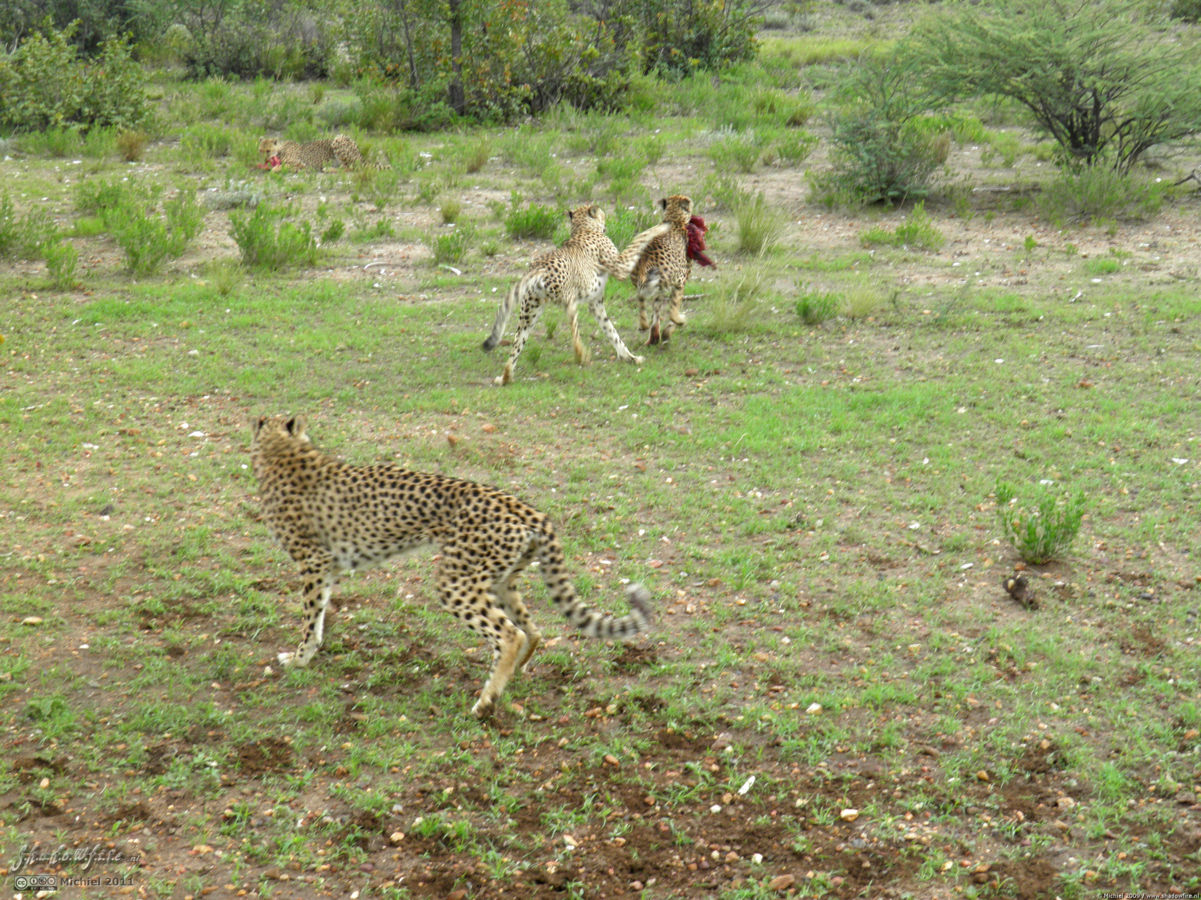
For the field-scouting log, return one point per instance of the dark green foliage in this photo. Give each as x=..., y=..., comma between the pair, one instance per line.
x=1188, y=10
x=251, y=38
x=884, y=150
x=43, y=84
x=677, y=38
x=1097, y=77
x=93, y=21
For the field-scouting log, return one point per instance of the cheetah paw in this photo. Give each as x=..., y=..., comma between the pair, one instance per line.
x=286, y=658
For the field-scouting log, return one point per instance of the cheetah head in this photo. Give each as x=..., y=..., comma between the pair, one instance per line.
x=677, y=209
x=289, y=428
x=588, y=217
x=268, y=146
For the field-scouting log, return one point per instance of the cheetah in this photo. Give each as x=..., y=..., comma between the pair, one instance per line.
x=568, y=274
x=312, y=154
x=332, y=517
x=666, y=264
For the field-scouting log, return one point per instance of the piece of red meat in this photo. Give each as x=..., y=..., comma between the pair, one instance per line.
x=696, y=241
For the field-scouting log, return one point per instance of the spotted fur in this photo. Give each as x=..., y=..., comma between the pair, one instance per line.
x=574, y=272
x=314, y=154
x=663, y=269
x=332, y=517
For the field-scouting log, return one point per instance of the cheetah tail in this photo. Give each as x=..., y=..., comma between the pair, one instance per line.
x=502, y=315
x=621, y=267
x=590, y=621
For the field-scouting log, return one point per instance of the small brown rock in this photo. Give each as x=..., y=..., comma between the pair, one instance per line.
x=781, y=882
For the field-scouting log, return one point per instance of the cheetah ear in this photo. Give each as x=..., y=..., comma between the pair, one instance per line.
x=663, y=203
x=595, y=211
x=256, y=424
x=686, y=204
x=295, y=426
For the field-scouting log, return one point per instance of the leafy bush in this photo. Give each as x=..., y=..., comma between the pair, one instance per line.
x=148, y=239
x=1100, y=78
x=1043, y=532
x=43, y=84
x=534, y=221
x=678, y=38
x=269, y=242
x=250, y=38
x=883, y=152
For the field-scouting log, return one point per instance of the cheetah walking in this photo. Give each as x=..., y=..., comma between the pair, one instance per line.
x=568, y=274
x=666, y=265
x=332, y=517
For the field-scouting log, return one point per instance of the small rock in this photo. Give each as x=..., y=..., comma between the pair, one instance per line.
x=813, y=709
x=396, y=837
x=982, y=776
x=32, y=620
x=781, y=882
x=849, y=815
x=611, y=760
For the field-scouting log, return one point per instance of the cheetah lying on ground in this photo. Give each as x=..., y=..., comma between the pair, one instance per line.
x=313, y=154
x=568, y=274
x=332, y=517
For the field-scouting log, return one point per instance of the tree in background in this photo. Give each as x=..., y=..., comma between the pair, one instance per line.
x=1094, y=74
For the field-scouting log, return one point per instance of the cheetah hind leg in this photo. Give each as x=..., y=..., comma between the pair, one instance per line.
x=516, y=610
x=508, y=645
x=531, y=309
x=582, y=356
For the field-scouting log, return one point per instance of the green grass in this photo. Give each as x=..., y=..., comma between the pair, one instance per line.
x=812, y=508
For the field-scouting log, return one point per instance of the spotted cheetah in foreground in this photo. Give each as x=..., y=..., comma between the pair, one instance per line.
x=313, y=154
x=332, y=517
x=568, y=274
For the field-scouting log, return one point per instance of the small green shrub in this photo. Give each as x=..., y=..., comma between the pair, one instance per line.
x=917, y=232
x=736, y=308
x=533, y=221
x=24, y=237
x=62, y=260
x=1043, y=531
x=451, y=246
x=451, y=210
x=477, y=156
x=131, y=143
x=739, y=152
x=760, y=226
x=267, y=241
x=815, y=307
x=149, y=240
x=333, y=231
x=1099, y=193
x=57, y=142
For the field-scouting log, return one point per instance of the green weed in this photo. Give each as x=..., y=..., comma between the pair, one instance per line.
x=1041, y=527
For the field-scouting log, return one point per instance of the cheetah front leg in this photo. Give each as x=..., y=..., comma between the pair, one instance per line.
x=317, y=572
